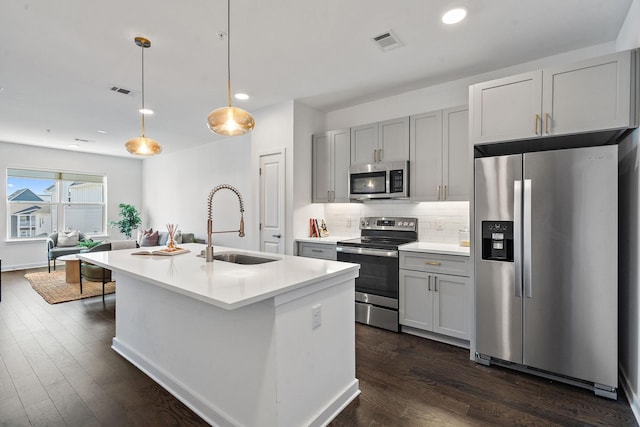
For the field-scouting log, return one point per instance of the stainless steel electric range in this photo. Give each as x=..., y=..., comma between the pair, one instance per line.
x=376, y=250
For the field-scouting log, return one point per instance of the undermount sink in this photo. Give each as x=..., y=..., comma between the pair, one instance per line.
x=239, y=258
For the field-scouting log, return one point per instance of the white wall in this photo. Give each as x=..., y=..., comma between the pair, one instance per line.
x=273, y=132
x=629, y=236
x=124, y=185
x=288, y=126
x=629, y=275
x=629, y=35
x=307, y=121
x=177, y=187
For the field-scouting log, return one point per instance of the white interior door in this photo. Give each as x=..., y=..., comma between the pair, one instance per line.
x=272, y=228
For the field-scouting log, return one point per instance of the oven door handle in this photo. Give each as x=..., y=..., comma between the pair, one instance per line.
x=368, y=251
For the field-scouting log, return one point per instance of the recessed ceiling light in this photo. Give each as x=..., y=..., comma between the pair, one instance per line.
x=102, y=131
x=241, y=96
x=146, y=111
x=74, y=145
x=454, y=16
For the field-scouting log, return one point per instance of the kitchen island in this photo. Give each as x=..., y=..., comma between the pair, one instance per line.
x=269, y=344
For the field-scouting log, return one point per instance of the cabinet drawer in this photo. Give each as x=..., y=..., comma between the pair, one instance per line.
x=321, y=251
x=436, y=263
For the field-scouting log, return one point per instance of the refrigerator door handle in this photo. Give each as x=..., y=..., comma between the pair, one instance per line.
x=526, y=265
x=517, y=235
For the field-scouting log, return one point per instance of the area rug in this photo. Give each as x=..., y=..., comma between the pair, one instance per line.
x=54, y=288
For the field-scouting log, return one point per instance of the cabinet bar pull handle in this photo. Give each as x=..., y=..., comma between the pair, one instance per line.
x=438, y=192
x=429, y=283
x=546, y=123
x=329, y=195
x=445, y=193
x=375, y=156
x=537, y=118
x=435, y=283
x=316, y=250
x=436, y=263
x=380, y=155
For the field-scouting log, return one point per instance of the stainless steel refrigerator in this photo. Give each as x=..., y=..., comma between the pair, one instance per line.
x=546, y=264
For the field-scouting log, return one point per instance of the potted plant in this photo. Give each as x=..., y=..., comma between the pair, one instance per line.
x=129, y=219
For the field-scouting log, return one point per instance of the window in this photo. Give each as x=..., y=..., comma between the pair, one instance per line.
x=42, y=202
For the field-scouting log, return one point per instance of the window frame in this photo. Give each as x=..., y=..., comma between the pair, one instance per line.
x=59, y=201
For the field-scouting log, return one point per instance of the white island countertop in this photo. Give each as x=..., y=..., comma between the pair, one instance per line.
x=436, y=248
x=222, y=284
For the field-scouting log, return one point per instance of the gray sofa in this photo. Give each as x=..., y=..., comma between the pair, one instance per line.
x=163, y=238
x=54, y=251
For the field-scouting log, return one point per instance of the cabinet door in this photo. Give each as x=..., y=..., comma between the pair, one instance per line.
x=451, y=306
x=456, y=163
x=364, y=144
x=425, y=144
x=321, y=168
x=415, y=305
x=507, y=108
x=394, y=140
x=341, y=161
x=592, y=95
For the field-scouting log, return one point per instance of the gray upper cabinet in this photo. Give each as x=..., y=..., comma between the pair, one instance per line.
x=386, y=141
x=588, y=96
x=330, y=166
x=439, y=146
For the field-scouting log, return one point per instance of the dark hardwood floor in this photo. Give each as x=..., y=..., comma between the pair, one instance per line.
x=57, y=369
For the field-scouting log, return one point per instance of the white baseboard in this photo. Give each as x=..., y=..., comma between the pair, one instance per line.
x=15, y=267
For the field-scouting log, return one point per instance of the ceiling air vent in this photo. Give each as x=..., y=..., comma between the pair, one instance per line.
x=386, y=41
x=120, y=90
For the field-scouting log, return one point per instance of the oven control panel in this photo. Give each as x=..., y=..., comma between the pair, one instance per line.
x=388, y=223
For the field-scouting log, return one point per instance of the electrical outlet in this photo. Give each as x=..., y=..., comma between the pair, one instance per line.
x=316, y=316
x=440, y=224
x=348, y=222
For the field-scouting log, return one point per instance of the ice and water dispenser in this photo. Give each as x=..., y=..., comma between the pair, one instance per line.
x=497, y=240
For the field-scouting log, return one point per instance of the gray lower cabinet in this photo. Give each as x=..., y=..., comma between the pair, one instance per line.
x=435, y=293
x=318, y=250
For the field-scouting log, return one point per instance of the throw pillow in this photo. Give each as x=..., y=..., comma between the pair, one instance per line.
x=149, y=239
x=68, y=239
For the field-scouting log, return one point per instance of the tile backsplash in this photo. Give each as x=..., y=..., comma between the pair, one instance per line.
x=438, y=222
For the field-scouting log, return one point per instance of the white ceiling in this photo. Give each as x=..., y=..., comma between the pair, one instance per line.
x=59, y=59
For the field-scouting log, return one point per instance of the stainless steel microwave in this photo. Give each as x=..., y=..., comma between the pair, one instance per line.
x=379, y=181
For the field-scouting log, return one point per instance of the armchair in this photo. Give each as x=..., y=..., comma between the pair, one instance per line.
x=54, y=251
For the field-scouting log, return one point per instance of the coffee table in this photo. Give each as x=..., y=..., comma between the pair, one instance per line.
x=72, y=268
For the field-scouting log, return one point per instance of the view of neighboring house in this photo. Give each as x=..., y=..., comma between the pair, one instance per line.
x=36, y=215
x=29, y=220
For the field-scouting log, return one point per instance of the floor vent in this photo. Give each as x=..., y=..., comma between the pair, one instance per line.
x=386, y=41
x=120, y=90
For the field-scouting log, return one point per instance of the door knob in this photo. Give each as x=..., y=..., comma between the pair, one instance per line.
x=276, y=235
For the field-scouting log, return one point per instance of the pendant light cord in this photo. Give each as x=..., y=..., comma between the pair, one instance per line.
x=229, y=52
x=142, y=47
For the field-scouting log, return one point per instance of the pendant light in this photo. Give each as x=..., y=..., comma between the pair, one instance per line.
x=230, y=121
x=143, y=146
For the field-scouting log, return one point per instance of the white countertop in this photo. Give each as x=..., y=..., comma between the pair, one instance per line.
x=220, y=283
x=438, y=248
x=329, y=240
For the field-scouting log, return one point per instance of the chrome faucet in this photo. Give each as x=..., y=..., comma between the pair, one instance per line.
x=209, y=250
